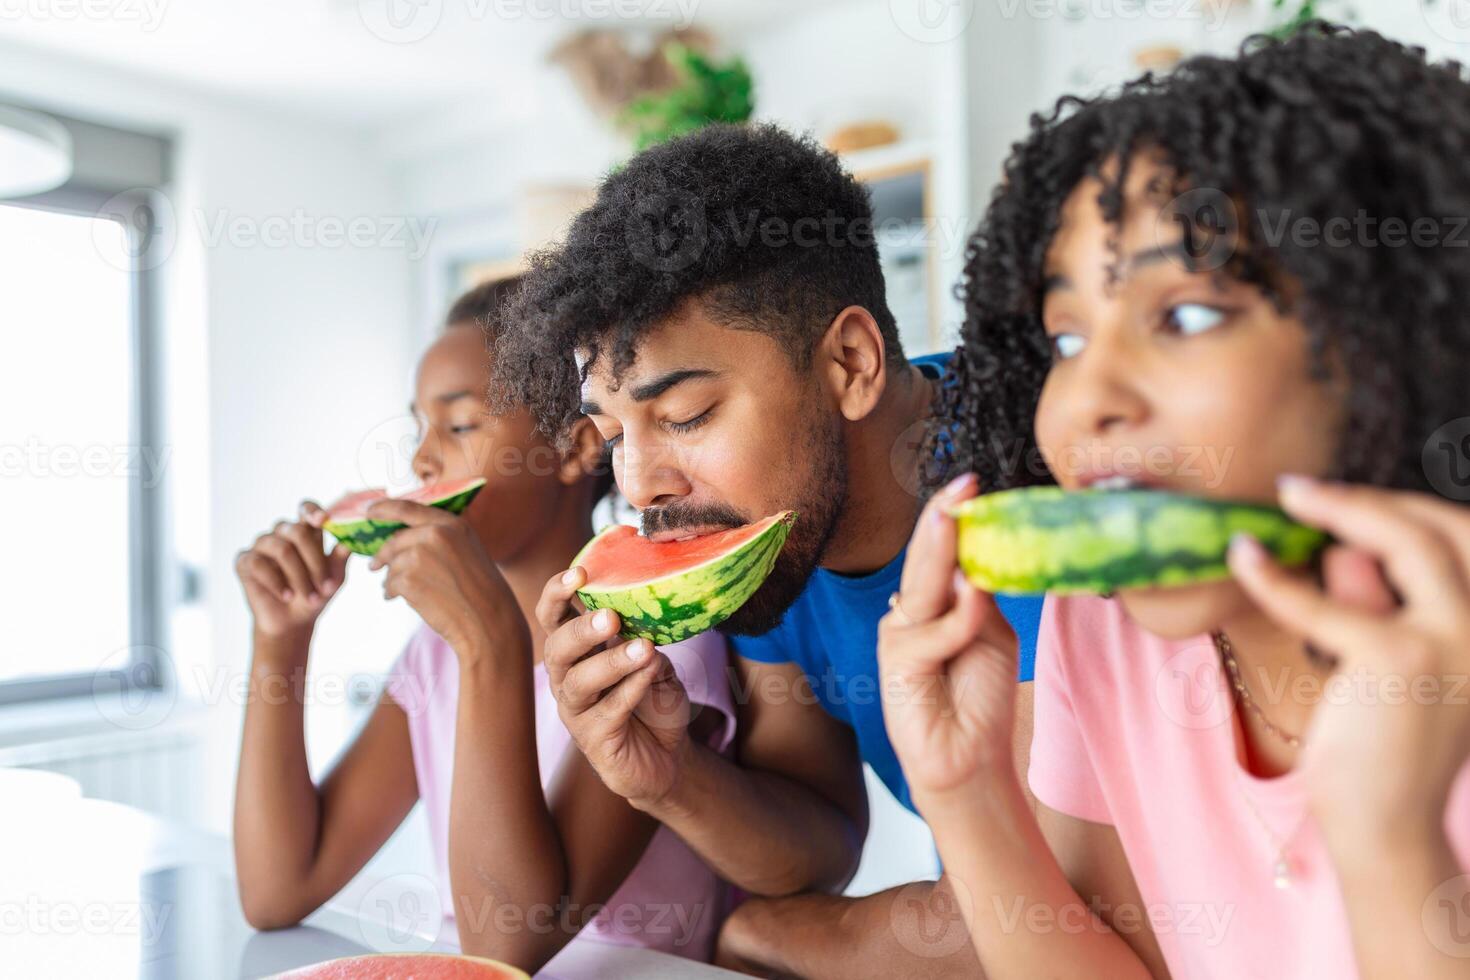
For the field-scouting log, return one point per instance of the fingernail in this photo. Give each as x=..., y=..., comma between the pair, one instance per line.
x=1293, y=485
x=287, y=595
x=602, y=620
x=1246, y=549
x=329, y=587
x=636, y=650
x=954, y=486
x=569, y=577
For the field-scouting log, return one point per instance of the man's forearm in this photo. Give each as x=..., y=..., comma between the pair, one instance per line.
x=762, y=831
x=914, y=930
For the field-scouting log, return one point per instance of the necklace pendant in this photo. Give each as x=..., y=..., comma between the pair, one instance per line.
x=1281, y=874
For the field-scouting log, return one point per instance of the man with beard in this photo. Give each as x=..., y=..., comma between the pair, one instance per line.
x=719, y=314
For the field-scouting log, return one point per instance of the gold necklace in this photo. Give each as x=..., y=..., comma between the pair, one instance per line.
x=1281, y=866
x=1243, y=694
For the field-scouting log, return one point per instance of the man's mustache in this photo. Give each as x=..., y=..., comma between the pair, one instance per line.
x=675, y=517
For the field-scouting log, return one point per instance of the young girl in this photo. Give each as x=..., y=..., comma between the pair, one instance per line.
x=1194, y=284
x=530, y=847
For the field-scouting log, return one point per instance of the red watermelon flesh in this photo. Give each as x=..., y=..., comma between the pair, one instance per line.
x=353, y=507
x=347, y=519
x=406, y=966
x=668, y=591
x=624, y=557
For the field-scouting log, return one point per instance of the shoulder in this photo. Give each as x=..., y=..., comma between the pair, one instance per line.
x=1088, y=635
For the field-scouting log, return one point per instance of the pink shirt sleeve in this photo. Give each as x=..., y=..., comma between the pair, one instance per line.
x=1062, y=774
x=407, y=681
x=702, y=665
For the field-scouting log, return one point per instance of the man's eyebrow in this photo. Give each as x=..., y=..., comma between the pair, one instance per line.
x=649, y=390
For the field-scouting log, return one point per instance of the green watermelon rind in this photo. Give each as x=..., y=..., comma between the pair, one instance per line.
x=367, y=537
x=1046, y=539
x=674, y=608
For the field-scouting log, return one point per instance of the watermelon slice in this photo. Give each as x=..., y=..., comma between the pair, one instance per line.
x=669, y=591
x=406, y=966
x=346, y=521
x=1046, y=539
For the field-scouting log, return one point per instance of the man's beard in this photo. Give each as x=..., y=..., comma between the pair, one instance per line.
x=817, y=504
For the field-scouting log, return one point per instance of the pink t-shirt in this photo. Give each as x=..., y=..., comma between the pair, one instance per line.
x=671, y=901
x=1140, y=733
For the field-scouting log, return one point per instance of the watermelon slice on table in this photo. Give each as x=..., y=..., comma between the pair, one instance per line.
x=346, y=520
x=670, y=590
x=1046, y=539
x=406, y=966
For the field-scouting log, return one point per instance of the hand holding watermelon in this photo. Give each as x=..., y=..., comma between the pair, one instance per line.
x=621, y=701
x=440, y=568
x=1394, y=607
x=948, y=660
x=287, y=575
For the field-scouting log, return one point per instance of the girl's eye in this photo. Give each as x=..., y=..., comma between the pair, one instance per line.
x=1065, y=345
x=1192, y=318
x=613, y=442
x=689, y=425
x=460, y=430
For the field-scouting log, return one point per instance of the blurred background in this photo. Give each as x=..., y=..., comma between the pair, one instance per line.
x=227, y=230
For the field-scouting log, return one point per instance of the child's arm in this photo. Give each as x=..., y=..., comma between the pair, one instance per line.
x=523, y=871
x=297, y=844
x=1380, y=765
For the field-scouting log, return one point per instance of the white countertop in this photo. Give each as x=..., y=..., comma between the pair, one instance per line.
x=95, y=889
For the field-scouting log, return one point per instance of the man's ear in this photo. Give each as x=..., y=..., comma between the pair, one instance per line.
x=853, y=359
x=583, y=454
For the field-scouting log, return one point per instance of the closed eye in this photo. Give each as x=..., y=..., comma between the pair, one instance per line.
x=689, y=425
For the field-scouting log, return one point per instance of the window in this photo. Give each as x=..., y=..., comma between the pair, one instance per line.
x=77, y=461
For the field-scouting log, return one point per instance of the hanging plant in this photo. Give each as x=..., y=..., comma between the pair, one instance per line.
x=1293, y=15
x=706, y=93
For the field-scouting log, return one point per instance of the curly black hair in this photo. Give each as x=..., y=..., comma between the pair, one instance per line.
x=485, y=307
x=761, y=227
x=1330, y=123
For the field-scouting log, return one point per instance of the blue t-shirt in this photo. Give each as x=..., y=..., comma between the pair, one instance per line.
x=831, y=632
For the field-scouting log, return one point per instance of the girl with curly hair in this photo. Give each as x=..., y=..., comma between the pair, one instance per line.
x=1246, y=280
